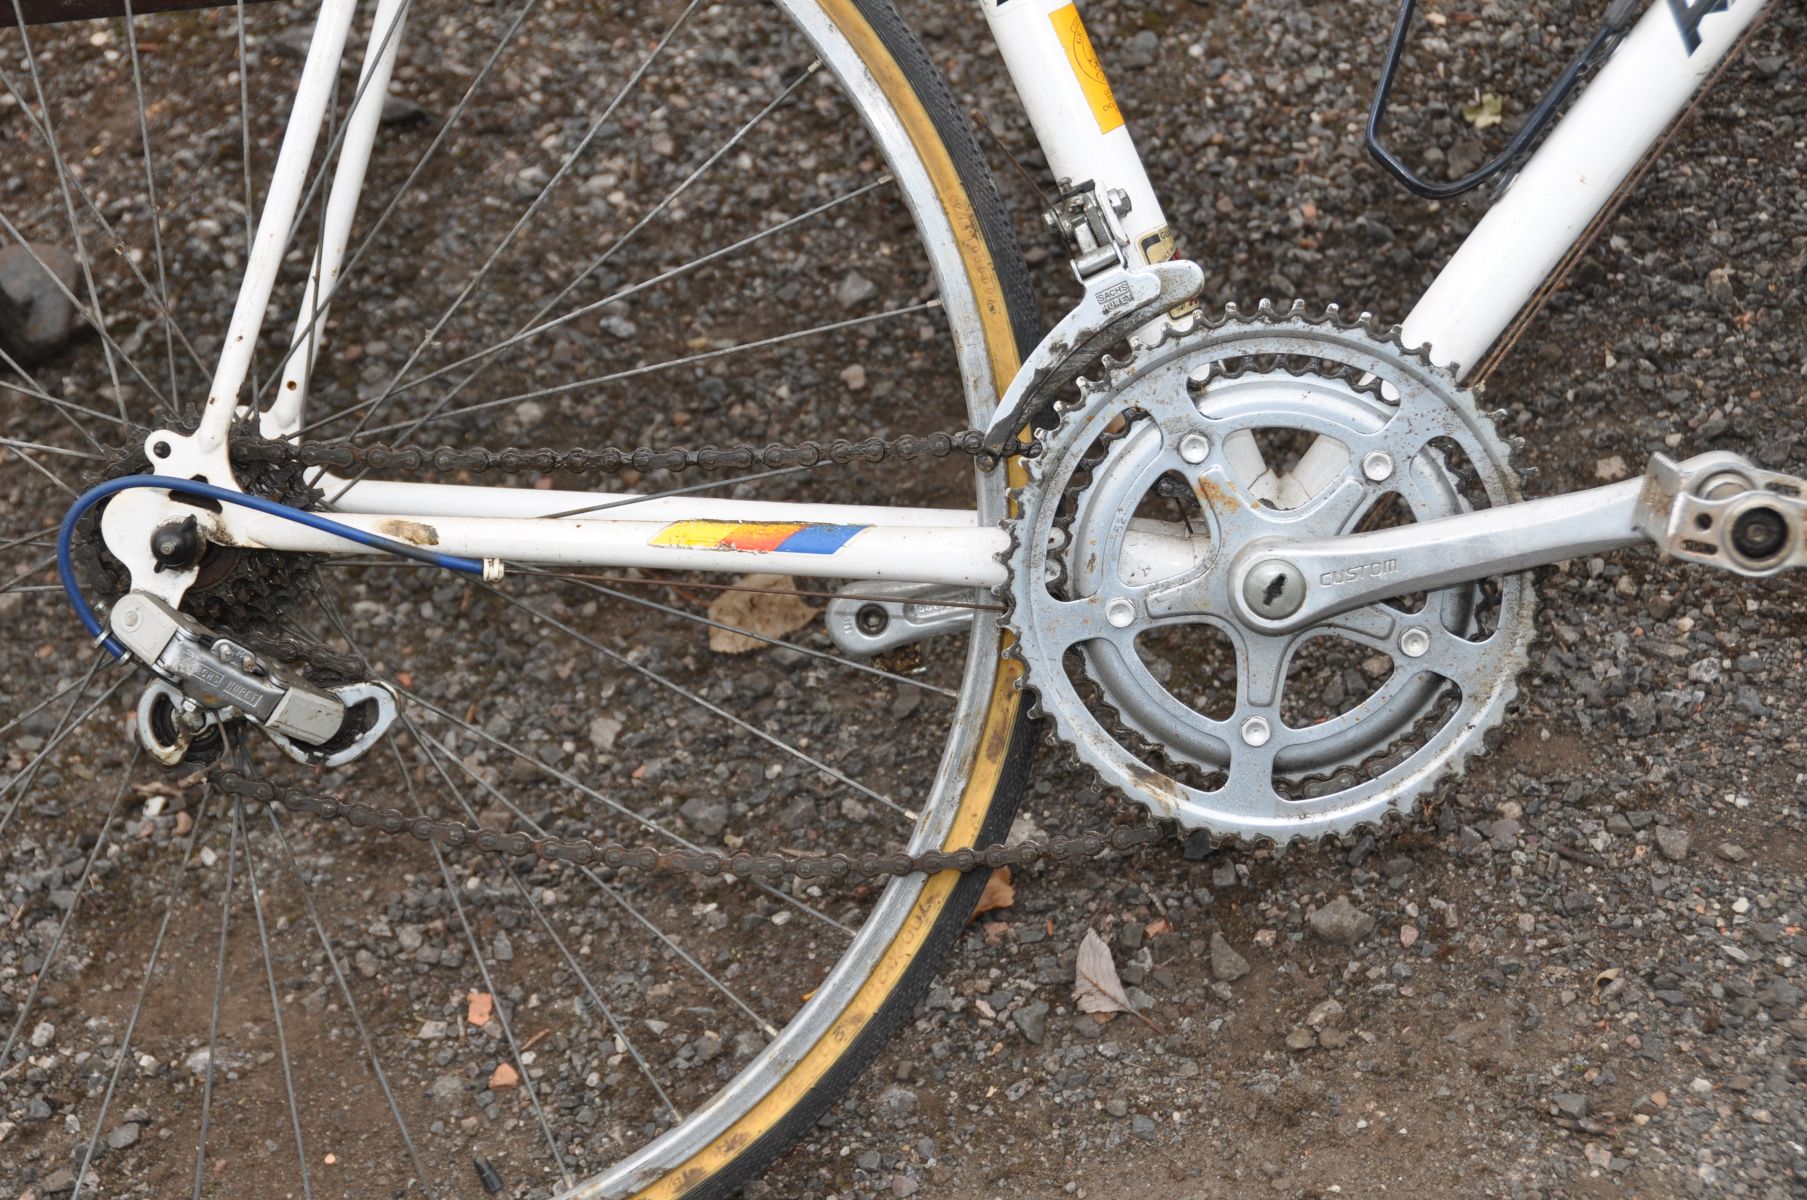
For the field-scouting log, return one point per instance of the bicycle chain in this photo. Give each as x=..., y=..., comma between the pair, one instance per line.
x=764, y=868
x=771, y=867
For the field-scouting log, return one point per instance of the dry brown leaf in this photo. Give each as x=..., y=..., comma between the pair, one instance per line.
x=1096, y=987
x=1157, y=927
x=999, y=892
x=479, y=1008
x=772, y=612
x=504, y=1077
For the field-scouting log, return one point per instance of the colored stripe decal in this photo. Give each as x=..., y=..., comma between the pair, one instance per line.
x=786, y=537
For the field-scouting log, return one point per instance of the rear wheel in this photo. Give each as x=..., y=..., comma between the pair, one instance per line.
x=551, y=250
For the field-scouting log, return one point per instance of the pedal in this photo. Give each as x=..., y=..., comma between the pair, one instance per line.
x=1722, y=510
x=206, y=679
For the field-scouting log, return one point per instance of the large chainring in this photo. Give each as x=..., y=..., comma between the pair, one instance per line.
x=1275, y=424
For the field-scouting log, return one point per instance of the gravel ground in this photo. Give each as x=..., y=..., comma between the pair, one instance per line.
x=1578, y=975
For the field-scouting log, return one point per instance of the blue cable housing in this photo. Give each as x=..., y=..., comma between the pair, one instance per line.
x=65, y=538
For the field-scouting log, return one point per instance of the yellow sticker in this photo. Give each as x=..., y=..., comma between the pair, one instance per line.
x=1086, y=67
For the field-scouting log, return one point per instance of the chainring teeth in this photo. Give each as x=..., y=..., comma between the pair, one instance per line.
x=1331, y=336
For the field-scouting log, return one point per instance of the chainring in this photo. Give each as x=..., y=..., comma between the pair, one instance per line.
x=1365, y=430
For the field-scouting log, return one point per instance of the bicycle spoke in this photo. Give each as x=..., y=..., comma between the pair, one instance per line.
x=63, y=176
x=80, y=891
x=535, y=330
x=351, y=1005
x=41, y=469
x=65, y=409
x=369, y=239
x=645, y=220
x=436, y=751
x=500, y=1009
x=46, y=703
x=63, y=451
x=534, y=206
x=65, y=728
x=177, y=870
x=219, y=997
x=37, y=568
x=812, y=652
x=715, y=710
x=650, y=925
x=633, y=372
x=157, y=295
x=282, y=1041
x=93, y=317
x=150, y=191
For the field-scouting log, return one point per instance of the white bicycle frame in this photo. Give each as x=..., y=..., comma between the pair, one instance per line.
x=1668, y=56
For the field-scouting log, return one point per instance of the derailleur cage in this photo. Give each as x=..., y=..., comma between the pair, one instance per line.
x=206, y=679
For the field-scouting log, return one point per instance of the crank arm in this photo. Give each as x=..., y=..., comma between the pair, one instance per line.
x=882, y=616
x=1714, y=508
x=205, y=679
x=1116, y=303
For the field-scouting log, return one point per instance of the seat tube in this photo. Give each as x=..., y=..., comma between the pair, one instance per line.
x=1081, y=129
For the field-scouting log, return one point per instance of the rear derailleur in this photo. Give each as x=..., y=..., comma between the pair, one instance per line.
x=207, y=682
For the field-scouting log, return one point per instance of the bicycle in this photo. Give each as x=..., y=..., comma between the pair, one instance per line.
x=1136, y=490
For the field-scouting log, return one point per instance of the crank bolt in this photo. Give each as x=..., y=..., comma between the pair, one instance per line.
x=1377, y=465
x=1413, y=643
x=1256, y=731
x=872, y=620
x=1759, y=533
x=1120, y=612
x=1194, y=447
x=1273, y=589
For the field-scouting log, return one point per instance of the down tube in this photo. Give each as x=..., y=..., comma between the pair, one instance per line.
x=1671, y=52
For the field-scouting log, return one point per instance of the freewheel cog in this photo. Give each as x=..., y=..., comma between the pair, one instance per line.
x=1270, y=425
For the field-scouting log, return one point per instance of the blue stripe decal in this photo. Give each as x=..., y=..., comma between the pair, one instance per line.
x=820, y=539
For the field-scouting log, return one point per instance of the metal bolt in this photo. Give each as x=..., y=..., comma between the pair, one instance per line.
x=1120, y=612
x=1194, y=447
x=1377, y=465
x=1414, y=642
x=1256, y=731
x=1723, y=485
x=131, y=618
x=1119, y=201
x=1274, y=589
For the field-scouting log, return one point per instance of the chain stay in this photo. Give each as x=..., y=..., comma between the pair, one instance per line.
x=763, y=868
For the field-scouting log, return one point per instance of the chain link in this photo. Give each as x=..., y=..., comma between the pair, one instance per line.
x=343, y=456
x=770, y=867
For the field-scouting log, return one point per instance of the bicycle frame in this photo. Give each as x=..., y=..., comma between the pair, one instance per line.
x=1547, y=211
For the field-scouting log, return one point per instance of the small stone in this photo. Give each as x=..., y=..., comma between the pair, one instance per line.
x=603, y=731
x=36, y=316
x=854, y=289
x=399, y=110
x=1731, y=852
x=1032, y=1019
x=903, y=1185
x=41, y=1033
x=1673, y=843
x=431, y=1031
x=1143, y=1127
x=198, y=1062
x=897, y=1102
x=1301, y=1039
x=1341, y=923
x=1571, y=1104
x=1226, y=964
x=706, y=815
x=1327, y=1013
x=121, y=1137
